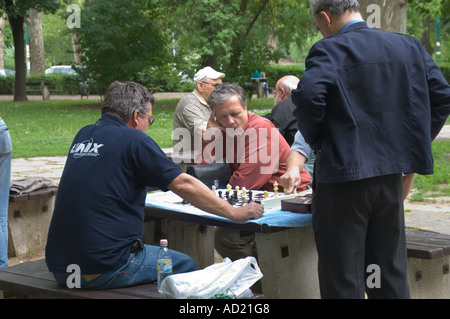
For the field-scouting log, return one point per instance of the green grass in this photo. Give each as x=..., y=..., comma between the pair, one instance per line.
x=47, y=128
x=430, y=187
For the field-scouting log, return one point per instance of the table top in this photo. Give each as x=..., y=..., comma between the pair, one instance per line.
x=169, y=205
x=259, y=79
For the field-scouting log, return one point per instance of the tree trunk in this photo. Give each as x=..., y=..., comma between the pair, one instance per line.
x=3, y=19
x=77, y=55
x=36, y=36
x=425, y=37
x=16, y=23
x=387, y=15
x=76, y=49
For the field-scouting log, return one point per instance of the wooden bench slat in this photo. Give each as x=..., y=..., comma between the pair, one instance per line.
x=424, y=252
x=427, y=245
x=33, y=279
x=426, y=234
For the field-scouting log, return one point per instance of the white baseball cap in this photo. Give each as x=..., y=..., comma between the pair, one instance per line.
x=208, y=72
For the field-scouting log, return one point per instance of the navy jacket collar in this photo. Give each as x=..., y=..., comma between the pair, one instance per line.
x=355, y=26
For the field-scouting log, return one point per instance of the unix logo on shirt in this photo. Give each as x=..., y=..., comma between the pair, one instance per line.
x=85, y=148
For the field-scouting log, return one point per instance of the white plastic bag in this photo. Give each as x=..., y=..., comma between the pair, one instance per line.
x=226, y=280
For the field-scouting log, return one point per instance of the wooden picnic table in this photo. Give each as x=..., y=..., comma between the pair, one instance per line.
x=44, y=90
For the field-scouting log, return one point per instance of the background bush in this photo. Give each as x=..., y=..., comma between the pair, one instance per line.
x=165, y=79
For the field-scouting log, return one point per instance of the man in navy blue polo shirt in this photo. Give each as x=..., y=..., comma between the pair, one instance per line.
x=98, y=221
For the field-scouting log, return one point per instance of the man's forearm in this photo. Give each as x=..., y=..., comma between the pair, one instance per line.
x=295, y=160
x=190, y=189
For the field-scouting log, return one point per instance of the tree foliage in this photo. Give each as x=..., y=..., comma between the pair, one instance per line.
x=16, y=12
x=157, y=42
x=120, y=38
x=237, y=36
x=422, y=23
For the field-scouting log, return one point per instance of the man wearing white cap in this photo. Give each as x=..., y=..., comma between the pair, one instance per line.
x=192, y=112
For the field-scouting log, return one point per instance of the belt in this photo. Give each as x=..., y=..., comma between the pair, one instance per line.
x=86, y=277
x=137, y=245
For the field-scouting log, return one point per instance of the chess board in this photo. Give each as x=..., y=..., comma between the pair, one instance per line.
x=273, y=215
x=241, y=197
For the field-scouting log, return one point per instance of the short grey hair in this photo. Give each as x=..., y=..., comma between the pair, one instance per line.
x=225, y=91
x=336, y=7
x=124, y=98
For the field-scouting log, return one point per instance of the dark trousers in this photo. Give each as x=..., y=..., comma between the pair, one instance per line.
x=359, y=230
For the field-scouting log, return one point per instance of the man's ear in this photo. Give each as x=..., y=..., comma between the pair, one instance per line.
x=133, y=122
x=282, y=93
x=326, y=17
x=199, y=87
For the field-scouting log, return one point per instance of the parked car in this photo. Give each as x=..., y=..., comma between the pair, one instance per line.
x=61, y=69
x=6, y=72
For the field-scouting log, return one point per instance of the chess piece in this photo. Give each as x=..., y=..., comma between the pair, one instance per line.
x=229, y=188
x=213, y=189
x=250, y=196
x=220, y=194
x=243, y=192
x=266, y=194
x=275, y=189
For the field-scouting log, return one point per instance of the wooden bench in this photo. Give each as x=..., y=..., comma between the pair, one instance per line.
x=44, y=90
x=32, y=279
x=428, y=260
x=428, y=264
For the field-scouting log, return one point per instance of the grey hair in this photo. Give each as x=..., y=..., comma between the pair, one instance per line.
x=336, y=7
x=123, y=98
x=225, y=91
x=290, y=83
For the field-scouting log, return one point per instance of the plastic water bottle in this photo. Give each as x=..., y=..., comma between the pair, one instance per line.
x=163, y=262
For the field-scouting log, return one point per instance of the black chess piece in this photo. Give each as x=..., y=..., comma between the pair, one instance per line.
x=250, y=196
x=220, y=194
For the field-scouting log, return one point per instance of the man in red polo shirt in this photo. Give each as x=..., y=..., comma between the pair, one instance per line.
x=255, y=150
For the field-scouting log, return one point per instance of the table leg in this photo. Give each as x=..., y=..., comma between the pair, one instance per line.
x=288, y=261
x=192, y=239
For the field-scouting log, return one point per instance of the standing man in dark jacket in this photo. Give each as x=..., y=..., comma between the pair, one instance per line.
x=370, y=104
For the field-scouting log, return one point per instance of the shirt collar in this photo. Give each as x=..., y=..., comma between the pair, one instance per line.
x=200, y=98
x=111, y=118
x=349, y=24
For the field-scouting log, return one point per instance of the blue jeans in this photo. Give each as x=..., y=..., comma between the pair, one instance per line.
x=5, y=184
x=140, y=269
